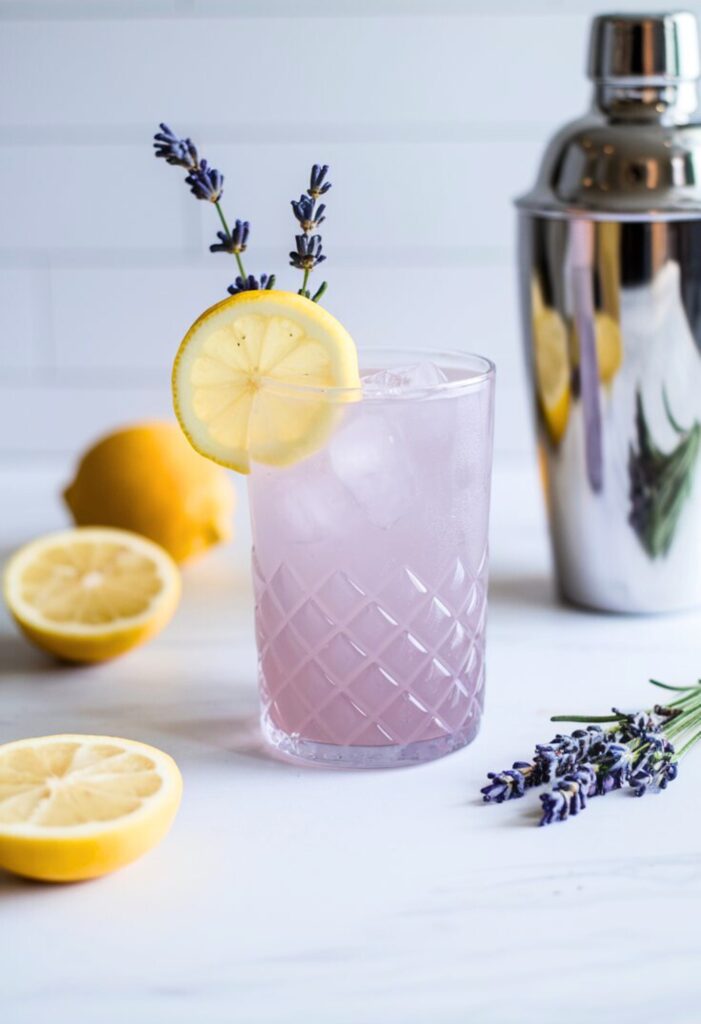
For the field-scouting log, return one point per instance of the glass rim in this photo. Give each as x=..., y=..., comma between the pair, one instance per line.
x=482, y=372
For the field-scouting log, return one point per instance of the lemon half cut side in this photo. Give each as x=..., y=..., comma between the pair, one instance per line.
x=74, y=807
x=91, y=593
x=241, y=372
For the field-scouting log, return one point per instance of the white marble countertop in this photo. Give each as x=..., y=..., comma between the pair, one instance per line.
x=285, y=894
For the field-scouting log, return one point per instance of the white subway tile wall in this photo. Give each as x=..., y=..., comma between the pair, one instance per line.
x=432, y=115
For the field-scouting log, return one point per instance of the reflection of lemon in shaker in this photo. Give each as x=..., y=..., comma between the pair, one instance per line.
x=609, y=346
x=552, y=370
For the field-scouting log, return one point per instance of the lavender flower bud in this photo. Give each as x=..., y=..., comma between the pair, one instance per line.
x=508, y=785
x=615, y=765
x=309, y=218
x=235, y=242
x=309, y=252
x=176, y=151
x=569, y=796
x=251, y=284
x=317, y=185
x=667, y=774
x=206, y=183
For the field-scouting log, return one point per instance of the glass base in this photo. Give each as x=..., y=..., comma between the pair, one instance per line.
x=329, y=755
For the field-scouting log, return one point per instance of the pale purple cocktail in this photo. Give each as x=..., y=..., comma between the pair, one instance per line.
x=370, y=569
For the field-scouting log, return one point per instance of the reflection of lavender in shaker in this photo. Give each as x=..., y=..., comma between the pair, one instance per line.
x=608, y=256
x=583, y=307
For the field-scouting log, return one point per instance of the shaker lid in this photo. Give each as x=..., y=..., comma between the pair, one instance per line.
x=637, y=154
x=655, y=47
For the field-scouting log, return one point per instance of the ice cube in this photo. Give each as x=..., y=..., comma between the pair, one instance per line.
x=312, y=504
x=414, y=377
x=368, y=455
x=381, y=382
x=306, y=501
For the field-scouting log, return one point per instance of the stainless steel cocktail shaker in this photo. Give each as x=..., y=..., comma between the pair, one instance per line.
x=610, y=274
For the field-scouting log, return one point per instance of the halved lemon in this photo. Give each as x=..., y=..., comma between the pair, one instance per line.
x=239, y=372
x=552, y=370
x=76, y=807
x=91, y=593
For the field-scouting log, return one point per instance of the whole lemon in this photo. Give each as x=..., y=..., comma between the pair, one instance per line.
x=148, y=479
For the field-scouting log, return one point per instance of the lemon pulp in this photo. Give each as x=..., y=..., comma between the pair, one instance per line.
x=91, y=593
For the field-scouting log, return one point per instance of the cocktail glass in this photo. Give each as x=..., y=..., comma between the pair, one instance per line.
x=370, y=566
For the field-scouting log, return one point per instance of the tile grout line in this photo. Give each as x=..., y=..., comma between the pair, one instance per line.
x=390, y=132
x=44, y=335
x=268, y=10
x=193, y=255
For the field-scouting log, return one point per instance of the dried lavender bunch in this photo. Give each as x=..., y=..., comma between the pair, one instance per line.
x=551, y=760
x=207, y=183
x=635, y=751
x=660, y=482
x=308, y=249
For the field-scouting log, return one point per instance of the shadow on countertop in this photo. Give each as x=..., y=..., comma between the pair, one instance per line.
x=531, y=590
x=18, y=656
x=17, y=888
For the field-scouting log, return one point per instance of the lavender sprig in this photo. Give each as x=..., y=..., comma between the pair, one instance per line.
x=207, y=183
x=308, y=248
x=635, y=752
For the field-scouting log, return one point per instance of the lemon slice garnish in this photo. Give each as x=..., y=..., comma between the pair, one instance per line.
x=91, y=593
x=75, y=807
x=238, y=373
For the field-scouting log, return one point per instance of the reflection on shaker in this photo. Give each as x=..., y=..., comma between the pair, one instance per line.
x=583, y=300
x=660, y=482
x=551, y=366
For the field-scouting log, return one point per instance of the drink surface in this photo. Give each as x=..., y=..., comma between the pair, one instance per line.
x=370, y=564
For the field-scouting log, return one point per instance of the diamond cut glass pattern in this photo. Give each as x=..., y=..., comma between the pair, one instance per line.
x=397, y=672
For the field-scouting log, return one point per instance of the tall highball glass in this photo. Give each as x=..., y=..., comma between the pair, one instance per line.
x=370, y=565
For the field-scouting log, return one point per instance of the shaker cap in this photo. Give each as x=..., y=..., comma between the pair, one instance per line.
x=637, y=153
x=649, y=47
